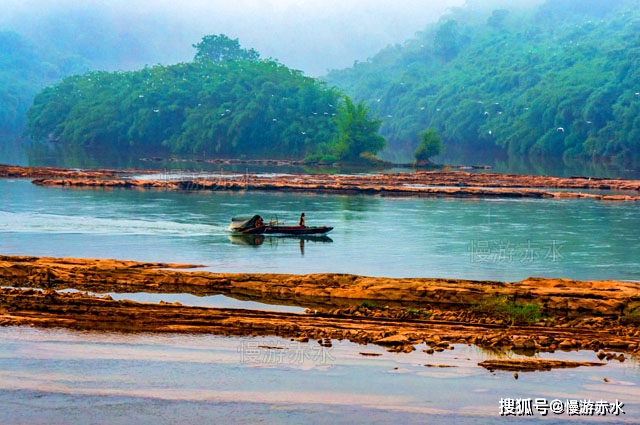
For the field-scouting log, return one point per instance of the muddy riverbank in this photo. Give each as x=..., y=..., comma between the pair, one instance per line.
x=460, y=184
x=534, y=315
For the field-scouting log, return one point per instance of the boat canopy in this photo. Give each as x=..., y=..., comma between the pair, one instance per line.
x=240, y=224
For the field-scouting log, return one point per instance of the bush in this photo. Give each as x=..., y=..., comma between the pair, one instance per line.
x=371, y=305
x=429, y=146
x=631, y=317
x=320, y=159
x=421, y=311
x=515, y=313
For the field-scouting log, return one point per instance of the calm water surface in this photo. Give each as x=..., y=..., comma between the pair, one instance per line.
x=474, y=239
x=61, y=377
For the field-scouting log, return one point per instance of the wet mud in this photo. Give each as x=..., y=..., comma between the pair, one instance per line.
x=398, y=314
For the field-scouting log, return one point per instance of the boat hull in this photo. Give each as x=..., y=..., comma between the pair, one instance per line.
x=255, y=226
x=297, y=230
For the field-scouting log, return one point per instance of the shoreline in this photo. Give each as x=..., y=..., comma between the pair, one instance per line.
x=453, y=184
x=398, y=314
x=527, y=317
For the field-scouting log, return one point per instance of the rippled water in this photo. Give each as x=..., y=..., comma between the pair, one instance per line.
x=475, y=239
x=60, y=377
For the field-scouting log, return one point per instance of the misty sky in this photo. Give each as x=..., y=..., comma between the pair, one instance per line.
x=314, y=36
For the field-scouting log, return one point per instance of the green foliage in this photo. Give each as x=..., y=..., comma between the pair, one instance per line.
x=319, y=158
x=558, y=80
x=447, y=41
x=357, y=133
x=524, y=314
x=231, y=107
x=219, y=48
x=631, y=317
x=420, y=311
x=498, y=18
x=505, y=307
x=430, y=145
x=23, y=72
x=371, y=305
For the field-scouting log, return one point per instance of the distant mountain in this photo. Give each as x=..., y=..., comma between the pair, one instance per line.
x=561, y=79
x=24, y=70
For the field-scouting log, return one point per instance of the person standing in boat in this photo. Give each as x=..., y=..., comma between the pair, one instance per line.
x=259, y=223
x=301, y=224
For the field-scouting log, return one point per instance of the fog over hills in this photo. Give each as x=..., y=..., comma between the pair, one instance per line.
x=311, y=36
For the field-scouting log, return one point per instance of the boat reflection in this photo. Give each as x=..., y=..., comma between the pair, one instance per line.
x=257, y=240
x=249, y=240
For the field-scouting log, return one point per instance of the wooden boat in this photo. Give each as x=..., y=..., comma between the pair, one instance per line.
x=296, y=230
x=255, y=226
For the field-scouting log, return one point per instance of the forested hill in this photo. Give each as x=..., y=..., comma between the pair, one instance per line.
x=24, y=70
x=226, y=103
x=558, y=79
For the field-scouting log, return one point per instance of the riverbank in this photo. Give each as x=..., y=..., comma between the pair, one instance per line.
x=534, y=315
x=459, y=184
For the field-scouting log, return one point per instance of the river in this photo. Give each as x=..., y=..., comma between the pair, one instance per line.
x=57, y=376
x=60, y=377
x=410, y=237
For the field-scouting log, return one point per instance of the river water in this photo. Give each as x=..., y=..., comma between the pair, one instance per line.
x=59, y=377
x=473, y=239
x=56, y=377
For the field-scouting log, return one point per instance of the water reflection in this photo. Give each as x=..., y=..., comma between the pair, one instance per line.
x=11, y=149
x=248, y=240
x=274, y=241
x=451, y=238
x=209, y=301
x=15, y=150
x=57, y=376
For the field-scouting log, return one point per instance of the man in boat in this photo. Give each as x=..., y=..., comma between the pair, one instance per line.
x=301, y=224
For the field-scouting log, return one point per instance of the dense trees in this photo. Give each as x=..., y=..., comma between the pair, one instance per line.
x=226, y=103
x=429, y=145
x=357, y=134
x=559, y=80
x=219, y=48
x=23, y=72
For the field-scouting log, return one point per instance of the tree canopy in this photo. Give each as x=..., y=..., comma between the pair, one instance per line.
x=24, y=70
x=219, y=48
x=220, y=105
x=558, y=80
x=357, y=134
x=429, y=145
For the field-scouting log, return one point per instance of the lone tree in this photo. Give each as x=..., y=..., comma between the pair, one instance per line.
x=357, y=133
x=220, y=48
x=429, y=146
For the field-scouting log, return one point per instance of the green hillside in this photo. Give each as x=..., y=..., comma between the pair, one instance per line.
x=558, y=80
x=23, y=72
x=226, y=103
